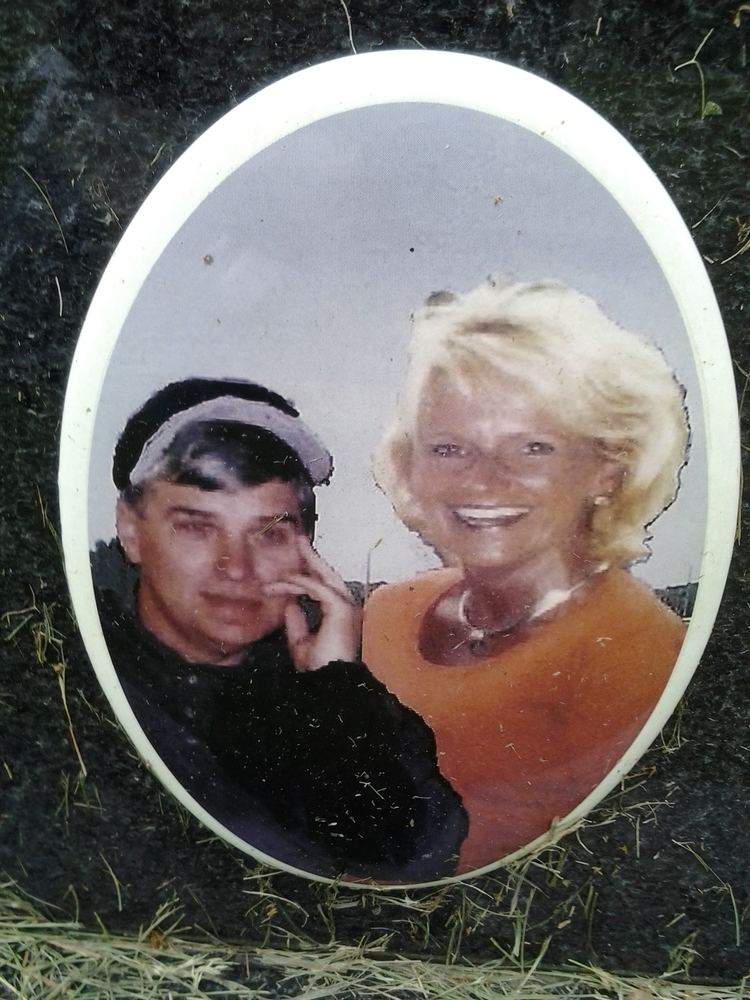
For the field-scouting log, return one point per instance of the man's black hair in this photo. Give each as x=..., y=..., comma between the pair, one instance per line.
x=173, y=398
x=213, y=455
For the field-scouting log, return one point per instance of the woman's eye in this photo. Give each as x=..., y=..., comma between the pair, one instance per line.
x=448, y=450
x=538, y=448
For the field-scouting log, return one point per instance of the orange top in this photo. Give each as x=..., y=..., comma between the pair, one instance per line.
x=526, y=734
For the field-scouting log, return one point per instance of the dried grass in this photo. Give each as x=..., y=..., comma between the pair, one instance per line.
x=44, y=958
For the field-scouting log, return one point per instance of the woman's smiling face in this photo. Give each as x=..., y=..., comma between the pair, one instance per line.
x=501, y=483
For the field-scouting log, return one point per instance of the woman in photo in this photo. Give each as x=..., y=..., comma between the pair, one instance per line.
x=534, y=443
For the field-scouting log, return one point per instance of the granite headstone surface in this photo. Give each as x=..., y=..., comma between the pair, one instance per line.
x=98, y=100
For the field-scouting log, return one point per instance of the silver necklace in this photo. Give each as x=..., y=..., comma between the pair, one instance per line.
x=477, y=636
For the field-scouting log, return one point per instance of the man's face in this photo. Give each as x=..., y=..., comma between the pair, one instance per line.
x=204, y=559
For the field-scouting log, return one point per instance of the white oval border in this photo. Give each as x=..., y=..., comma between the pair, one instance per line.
x=361, y=81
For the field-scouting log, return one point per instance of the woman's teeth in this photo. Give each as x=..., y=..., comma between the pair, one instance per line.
x=483, y=517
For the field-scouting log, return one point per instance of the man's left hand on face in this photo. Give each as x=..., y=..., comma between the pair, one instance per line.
x=339, y=634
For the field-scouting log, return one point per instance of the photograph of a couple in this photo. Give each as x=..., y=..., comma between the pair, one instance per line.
x=394, y=560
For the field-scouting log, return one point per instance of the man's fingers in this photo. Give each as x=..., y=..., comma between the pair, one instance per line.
x=298, y=586
x=295, y=624
x=318, y=590
x=319, y=567
x=282, y=587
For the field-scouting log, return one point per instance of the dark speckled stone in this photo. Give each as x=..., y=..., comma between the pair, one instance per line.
x=98, y=99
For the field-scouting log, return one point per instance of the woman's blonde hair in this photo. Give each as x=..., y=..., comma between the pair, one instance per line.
x=599, y=379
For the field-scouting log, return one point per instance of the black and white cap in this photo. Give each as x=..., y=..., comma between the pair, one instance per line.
x=152, y=429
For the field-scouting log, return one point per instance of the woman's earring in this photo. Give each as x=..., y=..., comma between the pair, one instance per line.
x=601, y=500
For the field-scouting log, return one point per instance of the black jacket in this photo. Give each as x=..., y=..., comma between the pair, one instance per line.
x=325, y=771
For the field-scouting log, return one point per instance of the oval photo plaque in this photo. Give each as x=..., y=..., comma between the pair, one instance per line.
x=399, y=468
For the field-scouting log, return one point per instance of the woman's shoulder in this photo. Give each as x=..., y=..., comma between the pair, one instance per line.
x=631, y=600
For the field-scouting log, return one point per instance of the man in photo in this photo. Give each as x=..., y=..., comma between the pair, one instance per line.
x=236, y=645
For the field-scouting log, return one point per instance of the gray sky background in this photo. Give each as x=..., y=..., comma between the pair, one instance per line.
x=322, y=246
